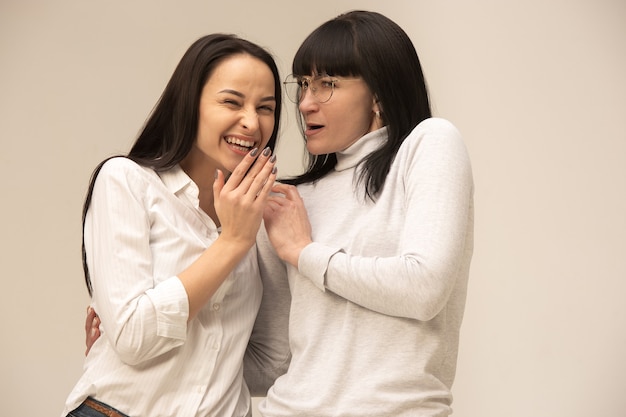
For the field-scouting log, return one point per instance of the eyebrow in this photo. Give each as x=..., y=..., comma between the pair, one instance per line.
x=238, y=94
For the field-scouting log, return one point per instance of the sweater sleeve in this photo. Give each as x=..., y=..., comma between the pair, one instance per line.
x=434, y=175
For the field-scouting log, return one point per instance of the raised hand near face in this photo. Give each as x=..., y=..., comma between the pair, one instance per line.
x=287, y=223
x=240, y=201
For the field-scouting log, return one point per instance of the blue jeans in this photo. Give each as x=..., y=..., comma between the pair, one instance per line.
x=84, y=410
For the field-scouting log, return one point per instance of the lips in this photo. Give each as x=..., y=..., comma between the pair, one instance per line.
x=312, y=128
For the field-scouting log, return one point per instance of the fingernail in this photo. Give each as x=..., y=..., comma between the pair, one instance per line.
x=216, y=173
x=254, y=151
x=274, y=170
x=267, y=151
x=273, y=159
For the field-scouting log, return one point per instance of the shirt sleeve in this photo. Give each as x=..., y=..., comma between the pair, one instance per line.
x=268, y=354
x=435, y=177
x=140, y=319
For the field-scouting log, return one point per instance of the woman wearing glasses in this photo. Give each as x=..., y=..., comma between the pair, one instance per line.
x=377, y=234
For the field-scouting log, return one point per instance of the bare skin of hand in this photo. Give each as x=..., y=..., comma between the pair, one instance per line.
x=239, y=202
x=92, y=328
x=287, y=223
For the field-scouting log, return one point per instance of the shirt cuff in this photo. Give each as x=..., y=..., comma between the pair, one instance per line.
x=313, y=262
x=172, y=308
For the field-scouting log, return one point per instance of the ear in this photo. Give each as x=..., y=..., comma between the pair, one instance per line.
x=377, y=106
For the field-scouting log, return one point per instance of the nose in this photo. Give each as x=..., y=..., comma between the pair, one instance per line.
x=250, y=120
x=307, y=101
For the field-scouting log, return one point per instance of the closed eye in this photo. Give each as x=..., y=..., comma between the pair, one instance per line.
x=231, y=102
x=266, y=109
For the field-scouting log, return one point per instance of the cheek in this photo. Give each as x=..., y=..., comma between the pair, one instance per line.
x=204, y=125
x=364, y=121
x=267, y=127
x=352, y=124
x=204, y=136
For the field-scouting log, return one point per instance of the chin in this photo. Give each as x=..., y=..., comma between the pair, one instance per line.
x=315, y=150
x=318, y=152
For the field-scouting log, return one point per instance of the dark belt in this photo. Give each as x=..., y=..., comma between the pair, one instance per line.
x=102, y=408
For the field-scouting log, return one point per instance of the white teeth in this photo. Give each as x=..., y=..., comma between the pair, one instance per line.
x=236, y=141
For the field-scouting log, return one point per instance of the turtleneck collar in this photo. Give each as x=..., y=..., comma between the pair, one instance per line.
x=355, y=153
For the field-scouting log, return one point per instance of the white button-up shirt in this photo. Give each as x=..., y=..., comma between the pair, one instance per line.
x=141, y=230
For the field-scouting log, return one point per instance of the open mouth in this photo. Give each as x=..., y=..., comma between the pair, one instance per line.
x=242, y=145
x=313, y=127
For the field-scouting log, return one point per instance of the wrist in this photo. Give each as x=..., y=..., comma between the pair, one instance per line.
x=293, y=256
x=235, y=246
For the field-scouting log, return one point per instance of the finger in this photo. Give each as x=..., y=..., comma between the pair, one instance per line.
x=89, y=319
x=218, y=183
x=282, y=188
x=277, y=201
x=271, y=210
x=270, y=206
x=91, y=339
x=243, y=170
x=289, y=191
x=260, y=173
x=264, y=181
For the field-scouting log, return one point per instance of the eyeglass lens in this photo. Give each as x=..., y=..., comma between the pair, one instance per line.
x=321, y=87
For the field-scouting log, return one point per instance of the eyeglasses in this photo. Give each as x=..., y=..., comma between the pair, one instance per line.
x=321, y=86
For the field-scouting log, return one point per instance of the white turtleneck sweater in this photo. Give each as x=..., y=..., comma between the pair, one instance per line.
x=378, y=298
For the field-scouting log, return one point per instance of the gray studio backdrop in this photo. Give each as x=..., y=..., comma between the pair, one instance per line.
x=537, y=88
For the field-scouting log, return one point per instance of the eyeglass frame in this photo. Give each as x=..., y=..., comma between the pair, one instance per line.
x=298, y=80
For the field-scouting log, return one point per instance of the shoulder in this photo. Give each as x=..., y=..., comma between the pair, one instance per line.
x=120, y=169
x=120, y=165
x=434, y=134
x=436, y=127
x=435, y=146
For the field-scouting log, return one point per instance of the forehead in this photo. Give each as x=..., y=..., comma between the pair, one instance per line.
x=242, y=70
x=313, y=76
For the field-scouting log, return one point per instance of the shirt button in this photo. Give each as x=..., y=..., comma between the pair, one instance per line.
x=216, y=307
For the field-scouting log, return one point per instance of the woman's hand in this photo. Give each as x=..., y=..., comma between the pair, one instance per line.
x=239, y=202
x=287, y=223
x=92, y=328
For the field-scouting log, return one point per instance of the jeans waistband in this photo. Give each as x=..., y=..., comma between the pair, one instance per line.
x=102, y=408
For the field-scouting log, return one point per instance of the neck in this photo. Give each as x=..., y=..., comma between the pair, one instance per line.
x=202, y=172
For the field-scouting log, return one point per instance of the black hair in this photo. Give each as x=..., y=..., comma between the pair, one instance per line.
x=171, y=130
x=371, y=46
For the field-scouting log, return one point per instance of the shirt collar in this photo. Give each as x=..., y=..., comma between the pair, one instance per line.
x=178, y=182
x=356, y=152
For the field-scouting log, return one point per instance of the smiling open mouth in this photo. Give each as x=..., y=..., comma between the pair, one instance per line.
x=244, y=145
